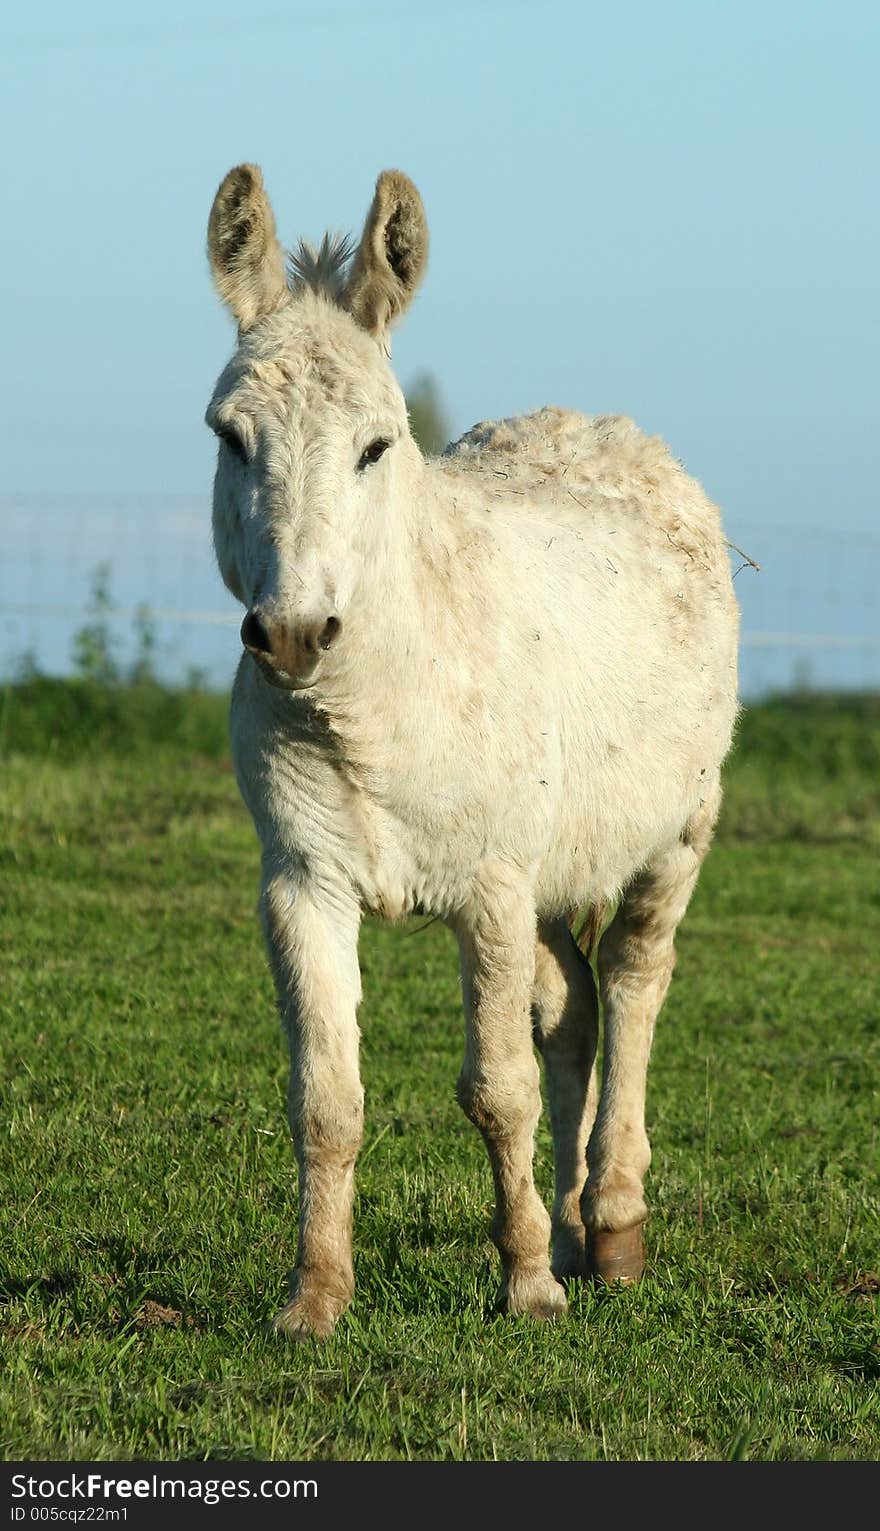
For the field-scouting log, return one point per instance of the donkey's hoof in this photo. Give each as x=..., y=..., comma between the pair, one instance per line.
x=308, y=1316
x=534, y=1295
x=617, y=1257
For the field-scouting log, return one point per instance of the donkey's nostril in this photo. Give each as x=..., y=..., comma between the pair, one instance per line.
x=317, y=635
x=254, y=635
x=329, y=632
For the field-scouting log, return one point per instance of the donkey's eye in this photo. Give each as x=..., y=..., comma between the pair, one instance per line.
x=234, y=442
x=373, y=452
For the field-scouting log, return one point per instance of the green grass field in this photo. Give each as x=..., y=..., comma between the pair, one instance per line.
x=149, y=1181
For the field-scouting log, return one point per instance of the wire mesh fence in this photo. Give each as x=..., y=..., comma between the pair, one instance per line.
x=809, y=616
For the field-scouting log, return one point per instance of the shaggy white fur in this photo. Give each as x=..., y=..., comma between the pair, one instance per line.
x=494, y=687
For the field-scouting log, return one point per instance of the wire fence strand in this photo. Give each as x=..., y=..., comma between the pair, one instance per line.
x=809, y=614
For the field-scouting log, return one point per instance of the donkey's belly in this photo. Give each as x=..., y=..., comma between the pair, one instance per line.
x=579, y=788
x=579, y=842
x=581, y=820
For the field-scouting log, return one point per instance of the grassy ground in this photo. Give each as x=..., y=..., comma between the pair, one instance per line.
x=151, y=1191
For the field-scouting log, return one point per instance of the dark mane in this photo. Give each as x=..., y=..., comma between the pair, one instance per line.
x=323, y=270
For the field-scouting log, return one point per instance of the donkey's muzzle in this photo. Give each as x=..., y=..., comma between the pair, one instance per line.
x=288, y=652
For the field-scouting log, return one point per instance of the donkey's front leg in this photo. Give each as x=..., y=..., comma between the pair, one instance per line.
x=499, y=1087
x=312, y=940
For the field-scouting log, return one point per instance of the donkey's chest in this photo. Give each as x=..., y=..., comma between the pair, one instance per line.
x=418, y=846
x=411, y=832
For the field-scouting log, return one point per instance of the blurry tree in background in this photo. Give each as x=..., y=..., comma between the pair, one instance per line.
x=427, y=417
x=94, y=648
x=93, y=657
x=143, y=667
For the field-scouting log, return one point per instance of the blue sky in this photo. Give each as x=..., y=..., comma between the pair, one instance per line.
x=668, y=211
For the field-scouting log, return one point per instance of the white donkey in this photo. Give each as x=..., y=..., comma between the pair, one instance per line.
x=495, y=688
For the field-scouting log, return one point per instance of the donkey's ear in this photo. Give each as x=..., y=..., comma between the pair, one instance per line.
x=391, y=257
x=246, y=259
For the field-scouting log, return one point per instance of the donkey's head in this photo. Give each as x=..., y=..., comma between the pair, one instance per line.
x=314, y=442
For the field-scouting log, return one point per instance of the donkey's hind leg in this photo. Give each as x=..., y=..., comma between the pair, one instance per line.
x=636, y=958
x=565, y=1020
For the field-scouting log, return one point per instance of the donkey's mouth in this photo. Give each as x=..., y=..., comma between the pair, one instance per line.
x=280, y=678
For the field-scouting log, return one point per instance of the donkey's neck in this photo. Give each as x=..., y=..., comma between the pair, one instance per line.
x=407, y=637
